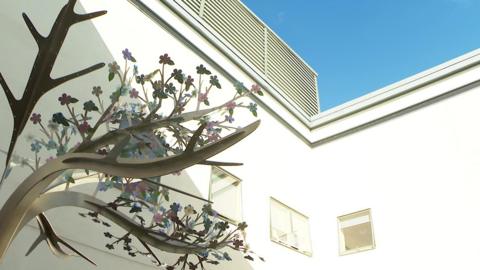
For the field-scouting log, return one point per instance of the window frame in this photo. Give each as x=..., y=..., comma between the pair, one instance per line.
x=290, y=209
x=210, y=197
x=341, y=239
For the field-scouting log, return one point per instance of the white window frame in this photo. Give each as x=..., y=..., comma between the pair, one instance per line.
x=341, y=240
x=223, y=216
x=291, y=210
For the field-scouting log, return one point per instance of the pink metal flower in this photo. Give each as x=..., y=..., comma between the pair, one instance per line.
x=202, y=97
x=213, y=137
x=83, y=128
x=255, y=88
x=36, y=118
x=158, y=217
x=231, y=105
x=211, y=125
x=133, y=93
x=65, y=99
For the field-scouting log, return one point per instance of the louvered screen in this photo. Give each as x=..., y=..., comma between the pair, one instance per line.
x=289, y=73
x=239, y=27
x=262, y=48
x=193, y=4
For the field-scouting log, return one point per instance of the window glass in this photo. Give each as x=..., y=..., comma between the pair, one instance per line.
x=355, y=232
x=226, y=195
x=289, y=228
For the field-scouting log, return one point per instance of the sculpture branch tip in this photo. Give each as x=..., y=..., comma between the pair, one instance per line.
x=10, y=97
x=36, y=35
x=84, y=17
x=194, y=139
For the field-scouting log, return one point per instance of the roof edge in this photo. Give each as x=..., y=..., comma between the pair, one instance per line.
x=396, y=89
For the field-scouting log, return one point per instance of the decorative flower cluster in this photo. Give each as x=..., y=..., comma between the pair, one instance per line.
x=150, y=108
x=172, y=220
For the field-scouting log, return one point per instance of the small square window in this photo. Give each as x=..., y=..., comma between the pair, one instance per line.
x=289, y=228
x=226, y=195
x=355, y=232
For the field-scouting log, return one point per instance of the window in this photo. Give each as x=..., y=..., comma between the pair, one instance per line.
x=226, y=195
x=355, y=232
x=289, y=228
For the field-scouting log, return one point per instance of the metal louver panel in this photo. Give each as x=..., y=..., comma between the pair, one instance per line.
x=239, y=27
x=194, y=5
x=291, y=75
x=262, y=48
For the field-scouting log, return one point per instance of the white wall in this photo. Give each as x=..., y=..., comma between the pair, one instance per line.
x=417, y=172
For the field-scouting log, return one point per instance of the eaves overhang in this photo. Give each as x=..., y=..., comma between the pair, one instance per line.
x=437, y=83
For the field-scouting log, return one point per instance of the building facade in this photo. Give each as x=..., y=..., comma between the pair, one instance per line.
x=402, y=160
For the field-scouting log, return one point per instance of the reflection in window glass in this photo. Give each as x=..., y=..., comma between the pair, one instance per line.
x=355, y=232
x=289, y=228
x=226, y=195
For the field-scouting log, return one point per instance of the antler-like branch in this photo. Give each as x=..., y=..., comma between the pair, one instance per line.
x=40, y=81
x=153, y=238
x=13, y=212
x=113, y=137
x=48, y=234
x=153, y=167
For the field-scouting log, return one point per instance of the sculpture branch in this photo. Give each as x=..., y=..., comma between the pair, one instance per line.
x=61, y=80
x=151, y=251
x=53, y=240
x=13, y=211
x=84, y=17
x=12, y=101
x=39, y=81
x=194, y=139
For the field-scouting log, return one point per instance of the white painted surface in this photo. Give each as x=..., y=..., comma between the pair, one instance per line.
x=418, y=172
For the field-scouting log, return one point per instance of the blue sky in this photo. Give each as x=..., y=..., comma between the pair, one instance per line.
x=358, y=46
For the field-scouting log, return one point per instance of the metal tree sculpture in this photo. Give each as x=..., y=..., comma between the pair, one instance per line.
x=140, y=145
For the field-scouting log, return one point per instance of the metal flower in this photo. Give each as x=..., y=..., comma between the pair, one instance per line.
x=97, y=91
x=127, y=55
x=188, y=82
x=65, y=99
x=36, y=147
x=166, y=60
x=36, y=118
x=133, y=93
x=84, y=127
x=201, y=69
x=113, y=67
x=231, y=105
x=90, y=106
x=214, y=81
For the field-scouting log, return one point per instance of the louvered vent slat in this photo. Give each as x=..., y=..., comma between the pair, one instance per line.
x=289, y=72
x=193, y=4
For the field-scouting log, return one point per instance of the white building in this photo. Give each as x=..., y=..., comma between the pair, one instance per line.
x=409, y=152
